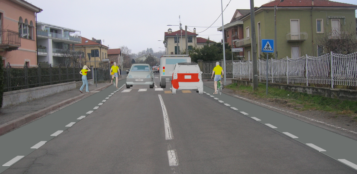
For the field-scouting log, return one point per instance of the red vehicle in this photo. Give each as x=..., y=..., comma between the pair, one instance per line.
x=187, y=76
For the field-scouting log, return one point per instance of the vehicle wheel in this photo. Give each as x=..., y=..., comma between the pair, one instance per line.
x=127, y=86
x=173, y=90
x=163, y=83
x=152, y=86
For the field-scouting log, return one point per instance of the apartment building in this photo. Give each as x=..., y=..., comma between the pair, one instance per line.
x=175, y=42
x=86, y=46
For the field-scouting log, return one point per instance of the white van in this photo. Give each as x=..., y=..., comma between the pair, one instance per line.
x=167, y=64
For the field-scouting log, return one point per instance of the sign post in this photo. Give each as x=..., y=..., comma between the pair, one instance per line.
x=95, y=53
x=267, y=47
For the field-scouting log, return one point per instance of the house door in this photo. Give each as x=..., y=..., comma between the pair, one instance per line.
x=295, y=29
x=295, y=53
x=335, y=24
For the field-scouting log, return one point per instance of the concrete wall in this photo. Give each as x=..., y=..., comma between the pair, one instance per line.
x=342, y=94
x=26, y=95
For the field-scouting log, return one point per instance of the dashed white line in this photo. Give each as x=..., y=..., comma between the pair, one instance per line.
x=173, y=161
x=104, y=100
x=168, y=131
x=349, y=163
x=244, y=113
x=142, y=90
x=56, y=133
x=316, y=147
x=96, y=107
x=70, y=124
x=159, y=89
x=234, y=108
x=270, y=125
x=220, y=101
x=126, y=90
x=255, y=118
x=216, y=98
x=227, y=104
x=81, y=117
x=107, y=98
x=100, y=104
x=290, y=135
x=12, y=161
x=89, y=112
x=38, y=145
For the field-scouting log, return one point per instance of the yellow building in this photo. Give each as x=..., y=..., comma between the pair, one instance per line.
x=87, y=46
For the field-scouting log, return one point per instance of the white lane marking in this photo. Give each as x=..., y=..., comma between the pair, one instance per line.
x=168, y=131
x=270, y=125
x=70, y=124
x=38, y=145
x=244, y=113
x=173, y=161
x=107, y=98
x=227, y=104
x=126, y=90
x=81, y=117
x=255, y=118
x=104, y=100
x=211, y=95
x=349, y=163
x=234, y=108
x=12, y=161
x=297, y=115
x=316, y=147
x=89, y=112
x=290, y=135
x=216, y=98
x=142, y=90
x=100, y=104
x=159, y=89
x=56, y=133
x=220, y=101
x=96, y=107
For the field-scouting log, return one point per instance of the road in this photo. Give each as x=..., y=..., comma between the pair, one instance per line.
x=145, y=130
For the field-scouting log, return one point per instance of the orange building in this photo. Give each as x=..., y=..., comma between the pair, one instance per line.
x=18, y=33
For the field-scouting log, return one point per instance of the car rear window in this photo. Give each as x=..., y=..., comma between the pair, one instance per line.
x=174, y=61
x=140, y=68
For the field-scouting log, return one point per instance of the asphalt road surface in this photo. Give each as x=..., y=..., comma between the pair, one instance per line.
x=151, y=131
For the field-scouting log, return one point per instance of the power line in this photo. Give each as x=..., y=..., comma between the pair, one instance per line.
x=217, y=18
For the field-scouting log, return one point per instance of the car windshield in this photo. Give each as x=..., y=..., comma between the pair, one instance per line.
x=140, y=68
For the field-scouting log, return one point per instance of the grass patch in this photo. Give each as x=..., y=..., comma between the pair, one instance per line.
x=309, y=102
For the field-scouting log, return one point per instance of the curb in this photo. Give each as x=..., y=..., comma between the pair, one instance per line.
x=7, y=127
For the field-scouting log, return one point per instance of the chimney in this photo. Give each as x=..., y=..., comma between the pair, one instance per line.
x=194, y=30
x=170, y=30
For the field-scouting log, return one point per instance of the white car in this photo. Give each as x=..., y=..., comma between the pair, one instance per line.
x=187, y=76
x=167, y=63
x=140, y=74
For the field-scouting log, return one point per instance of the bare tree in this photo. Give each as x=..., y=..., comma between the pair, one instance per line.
x=124, y=49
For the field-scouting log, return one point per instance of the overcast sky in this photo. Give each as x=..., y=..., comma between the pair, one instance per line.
x=139, y=24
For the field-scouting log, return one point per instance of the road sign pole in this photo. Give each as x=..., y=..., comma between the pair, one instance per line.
x=267, y=76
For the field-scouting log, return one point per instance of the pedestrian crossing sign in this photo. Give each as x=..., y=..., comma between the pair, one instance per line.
x=267, y=45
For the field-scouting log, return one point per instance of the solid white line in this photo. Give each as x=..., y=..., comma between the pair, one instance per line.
x=126, y=90
x=255, y=118
x=142, y=90
x=290, y=135
x=81, y=117
x=244, y=113
x=104, y=100
x=227, y=104
x=168, y=131
x=100, y=104
x=70, y=124
x=96, y=107
x=349, y=163
x=234, y=108
x=159, y=89
x=56, y=133
x=14, y=160
x=270, y=125
x=316, y=147
x=89, y=112
x=220, y=101
x=173, y=161
x=38, y=145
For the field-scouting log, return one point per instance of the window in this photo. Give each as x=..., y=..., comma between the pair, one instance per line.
x=177, y=49
x=25, y=30
x=189, y=39
x=174, y=61
x=335, y=24
x=320, y=50
x=177, y=40
x=295, y=29
x=20, y=27
x=319, y=26
x=31, y=31
x=295, y=52
x=27, y=64
x=189, y=48
x=247, y=32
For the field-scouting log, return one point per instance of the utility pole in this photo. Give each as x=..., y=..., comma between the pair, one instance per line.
x=186, y=39
x=177, y=48
x=254, y=46
x=275, y=40
x=224, y=49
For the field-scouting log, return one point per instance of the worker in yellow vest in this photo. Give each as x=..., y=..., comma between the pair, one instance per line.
x=114, y=71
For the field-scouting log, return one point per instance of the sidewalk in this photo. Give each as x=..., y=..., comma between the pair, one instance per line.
x=15, y=116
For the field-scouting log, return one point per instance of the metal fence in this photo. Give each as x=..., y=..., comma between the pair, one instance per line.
x=207, y=68
x=326, y=70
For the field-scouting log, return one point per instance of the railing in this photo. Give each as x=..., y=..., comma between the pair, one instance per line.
x=42, y=50
x=243, y=42
x=58, y=50
x=58, y=36
x=9, y=38
x=326, y=70
x=301, y=36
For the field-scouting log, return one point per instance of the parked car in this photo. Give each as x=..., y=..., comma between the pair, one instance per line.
x=187, y=76
x=155, y=69
x=167, y=63
x=140, y=74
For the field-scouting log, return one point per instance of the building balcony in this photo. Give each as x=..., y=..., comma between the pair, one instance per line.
x=296, y=37
x=42, y=51
x=59, y=36
x=9, y=40
x=243, y=42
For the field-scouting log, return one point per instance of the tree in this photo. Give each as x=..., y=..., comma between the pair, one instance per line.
x=124, y=49
x=151, y=60
x=210, y=52
x=343, y=42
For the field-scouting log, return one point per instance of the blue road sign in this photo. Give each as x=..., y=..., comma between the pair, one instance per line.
x=267, y=45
